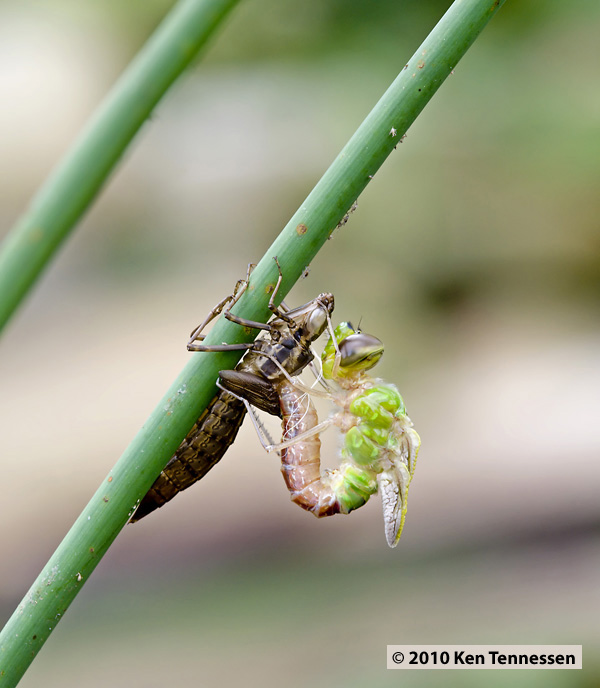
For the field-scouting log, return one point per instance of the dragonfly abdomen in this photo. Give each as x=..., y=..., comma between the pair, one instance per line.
x=203, y=447
x=301, y=462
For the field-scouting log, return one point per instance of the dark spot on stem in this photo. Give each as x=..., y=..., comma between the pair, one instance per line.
x=301, y=229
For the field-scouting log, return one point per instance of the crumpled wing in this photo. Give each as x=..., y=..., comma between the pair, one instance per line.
x=394, y=482
x=409, y=442
x=393, y=488
x=413, y=444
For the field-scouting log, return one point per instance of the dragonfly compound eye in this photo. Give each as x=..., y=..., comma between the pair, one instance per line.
x=317, y=322
x=360, y=351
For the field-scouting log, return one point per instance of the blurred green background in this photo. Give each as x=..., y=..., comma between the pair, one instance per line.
x=474, y=254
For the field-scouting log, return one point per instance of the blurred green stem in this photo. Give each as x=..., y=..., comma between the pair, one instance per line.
x=75, y=182
x=134, y=473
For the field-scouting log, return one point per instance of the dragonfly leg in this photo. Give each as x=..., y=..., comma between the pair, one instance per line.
x=196, y=332
x=280, y=312
x=317, y=371
x=215, y=348
x=316, y=430
x=247, y=323
x=277, y=312
x=338, y=354
x=229, y=301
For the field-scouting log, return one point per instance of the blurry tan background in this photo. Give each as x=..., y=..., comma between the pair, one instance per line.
x=474, y=255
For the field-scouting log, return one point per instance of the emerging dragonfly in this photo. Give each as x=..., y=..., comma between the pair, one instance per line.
x=284, y=349
x=380, y=445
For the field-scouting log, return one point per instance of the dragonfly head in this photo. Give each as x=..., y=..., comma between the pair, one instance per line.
x=359, y=352
x=311, y=318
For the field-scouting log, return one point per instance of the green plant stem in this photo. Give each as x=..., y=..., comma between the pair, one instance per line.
x=73, y=185
x=109, y=509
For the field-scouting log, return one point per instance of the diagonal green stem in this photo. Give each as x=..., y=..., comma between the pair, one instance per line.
x=109, y=509
x=73, y=185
